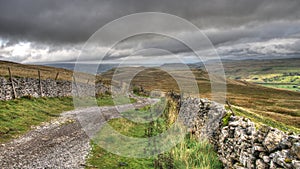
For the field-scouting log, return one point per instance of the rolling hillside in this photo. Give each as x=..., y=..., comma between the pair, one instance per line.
x=31, y=71
x=276, y=73
x=265, y=103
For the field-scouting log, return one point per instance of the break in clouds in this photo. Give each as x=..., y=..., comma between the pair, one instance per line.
x=56, y=30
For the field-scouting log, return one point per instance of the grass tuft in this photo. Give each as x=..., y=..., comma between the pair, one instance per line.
x=190, y=153
x=18, y=116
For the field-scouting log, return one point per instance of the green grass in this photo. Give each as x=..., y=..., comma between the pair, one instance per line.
x=190, y=153
x=281, y=74
x=291, y=87
x=193, y=153
x=128, y=128
x=17, y=116
x=226, y=118
x=100, y=158
x=103, y=100
x=107, y=100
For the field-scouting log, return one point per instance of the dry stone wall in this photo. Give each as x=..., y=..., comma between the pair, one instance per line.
x=50, y=88
x=239, y=143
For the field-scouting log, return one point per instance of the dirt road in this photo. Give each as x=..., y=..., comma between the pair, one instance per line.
x=62, y=143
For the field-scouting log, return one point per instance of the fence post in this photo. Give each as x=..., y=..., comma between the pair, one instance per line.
x=40, y=83
x=75, y=84
x=229, y=106
x=12, y=83
x=56, y=76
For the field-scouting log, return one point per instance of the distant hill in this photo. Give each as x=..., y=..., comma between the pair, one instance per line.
x=275, y=73
x=87, y=68
x=280, y=105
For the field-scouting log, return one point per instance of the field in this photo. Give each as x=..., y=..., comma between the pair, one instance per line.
x=281, y=106
x=280, y=73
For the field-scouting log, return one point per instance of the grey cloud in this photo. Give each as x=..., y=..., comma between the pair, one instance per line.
x=75, y=21
x=295, y=46
x=62, y=25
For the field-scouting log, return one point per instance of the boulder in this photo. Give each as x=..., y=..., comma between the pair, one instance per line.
x=266, y=159
x=282, y=158
x=296, y=164
x=273, y=139
x=237, y=166
x=295, y=150
x=260, y=164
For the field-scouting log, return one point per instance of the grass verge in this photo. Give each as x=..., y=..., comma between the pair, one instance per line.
x=19, y=115
x=190, y=153
x=106, y=100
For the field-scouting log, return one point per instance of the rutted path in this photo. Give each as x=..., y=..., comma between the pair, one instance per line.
x=61, y=143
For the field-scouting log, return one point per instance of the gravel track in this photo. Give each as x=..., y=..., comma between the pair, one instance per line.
x=63, y=142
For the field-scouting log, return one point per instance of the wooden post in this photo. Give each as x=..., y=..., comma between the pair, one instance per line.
x=12, y=83
x=56, y=76
x=75, y=84
x=181, y=98
x=40, y=83
x=229, y=106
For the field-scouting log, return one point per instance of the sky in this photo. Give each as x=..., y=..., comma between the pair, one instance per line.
x=34, y=31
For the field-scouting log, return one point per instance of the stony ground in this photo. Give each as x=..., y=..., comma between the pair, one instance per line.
x=62, y=143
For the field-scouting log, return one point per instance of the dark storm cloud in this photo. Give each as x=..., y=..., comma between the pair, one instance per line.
x=75, y=21
x=62, y=26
